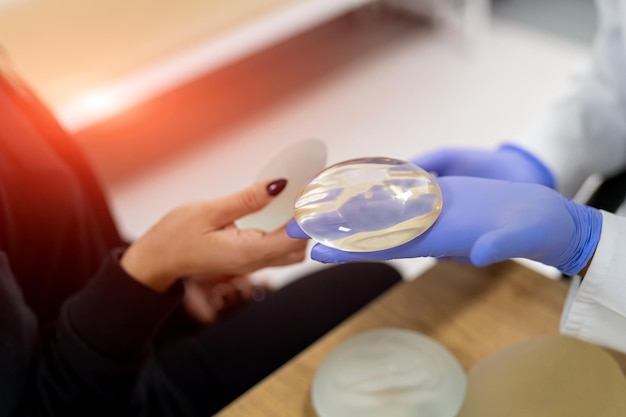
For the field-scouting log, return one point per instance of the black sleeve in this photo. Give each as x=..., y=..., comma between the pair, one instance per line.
x=18, y=336
x=90, y=362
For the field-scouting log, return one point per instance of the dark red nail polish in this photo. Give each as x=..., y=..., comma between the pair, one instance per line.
x=276, y=187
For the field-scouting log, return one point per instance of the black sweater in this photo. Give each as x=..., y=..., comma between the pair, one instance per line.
x=75, y=329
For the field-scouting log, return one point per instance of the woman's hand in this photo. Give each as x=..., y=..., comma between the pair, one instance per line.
x=209, y=297
x=201, y=238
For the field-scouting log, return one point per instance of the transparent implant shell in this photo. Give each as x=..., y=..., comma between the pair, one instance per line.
x=368, y=204
x=389, y=372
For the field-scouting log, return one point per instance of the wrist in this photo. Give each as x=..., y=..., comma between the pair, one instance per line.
x=145, y=270
x=583, y=272
x=588, y=226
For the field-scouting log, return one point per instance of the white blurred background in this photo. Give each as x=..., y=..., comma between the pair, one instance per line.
x=189, y=102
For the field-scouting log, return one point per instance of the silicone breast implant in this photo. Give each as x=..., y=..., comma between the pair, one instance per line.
x=389, y=372
x=368, y=204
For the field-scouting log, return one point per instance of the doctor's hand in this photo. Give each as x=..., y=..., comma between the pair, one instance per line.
x=508, y=162
x=488, y=221
x=201, y=239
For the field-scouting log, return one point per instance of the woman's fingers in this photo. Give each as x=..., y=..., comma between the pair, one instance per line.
x=249, y=200
x=208, y=297
x=276, y=248
x=200, y=238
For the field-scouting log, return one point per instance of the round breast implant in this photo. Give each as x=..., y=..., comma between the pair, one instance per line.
x=547, y=376
x=389, y=372
x=368, y=204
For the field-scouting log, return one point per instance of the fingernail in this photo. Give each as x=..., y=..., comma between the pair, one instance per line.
x=274, y=188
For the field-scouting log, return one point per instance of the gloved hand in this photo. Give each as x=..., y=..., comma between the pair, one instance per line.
x=508, y=162
x=488, y=221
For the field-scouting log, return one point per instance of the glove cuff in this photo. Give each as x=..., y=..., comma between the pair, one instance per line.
x=588, y=226
x=546, y=176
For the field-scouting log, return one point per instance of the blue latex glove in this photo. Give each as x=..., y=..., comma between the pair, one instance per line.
x=488, y=221
x=508, y=162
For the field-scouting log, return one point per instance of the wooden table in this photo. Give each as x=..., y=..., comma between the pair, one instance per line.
x=472, y=311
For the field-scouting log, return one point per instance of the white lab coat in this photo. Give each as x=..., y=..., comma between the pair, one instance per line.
x=585, y=134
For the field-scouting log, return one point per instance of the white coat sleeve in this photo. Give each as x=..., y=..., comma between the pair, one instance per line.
x=595, y=310
x=584, y=133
